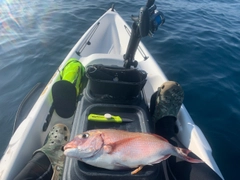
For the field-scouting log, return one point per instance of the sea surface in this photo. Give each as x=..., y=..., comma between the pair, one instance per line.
x=198, y=46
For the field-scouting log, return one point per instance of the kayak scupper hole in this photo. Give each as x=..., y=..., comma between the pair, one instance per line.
x=65, y=129
x=65, y=138
x=62, y=148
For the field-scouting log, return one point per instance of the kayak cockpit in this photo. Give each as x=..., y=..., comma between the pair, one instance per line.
x=106, y=95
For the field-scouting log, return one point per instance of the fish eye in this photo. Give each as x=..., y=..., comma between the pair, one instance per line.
x=85, y=135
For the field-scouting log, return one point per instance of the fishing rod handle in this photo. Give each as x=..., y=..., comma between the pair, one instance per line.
x=150, y=3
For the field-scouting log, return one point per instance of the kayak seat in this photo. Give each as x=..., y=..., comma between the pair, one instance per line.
x=64, y=98
x=114, y=81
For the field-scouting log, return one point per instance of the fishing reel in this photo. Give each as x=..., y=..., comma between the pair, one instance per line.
x=149, y=19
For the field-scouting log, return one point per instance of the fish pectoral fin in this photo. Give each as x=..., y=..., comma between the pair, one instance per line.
x=107, y=148
x=137, y=170
x=118, y=145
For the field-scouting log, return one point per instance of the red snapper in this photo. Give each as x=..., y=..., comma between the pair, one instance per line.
x=118, y=149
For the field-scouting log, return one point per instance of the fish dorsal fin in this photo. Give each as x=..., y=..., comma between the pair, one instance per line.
x=111, y=147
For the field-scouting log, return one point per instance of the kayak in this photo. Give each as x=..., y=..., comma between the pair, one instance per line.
x=107, y=51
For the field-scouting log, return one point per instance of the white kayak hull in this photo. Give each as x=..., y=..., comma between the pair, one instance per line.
x=105, y=42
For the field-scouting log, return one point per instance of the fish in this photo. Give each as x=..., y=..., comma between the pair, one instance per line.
x=119, y=149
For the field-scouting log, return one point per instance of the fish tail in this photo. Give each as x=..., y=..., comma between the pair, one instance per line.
x=183, y=154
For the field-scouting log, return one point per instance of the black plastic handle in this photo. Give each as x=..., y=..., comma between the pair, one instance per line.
x=150, y=3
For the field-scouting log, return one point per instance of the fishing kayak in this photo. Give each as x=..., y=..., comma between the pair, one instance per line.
x=106, y=52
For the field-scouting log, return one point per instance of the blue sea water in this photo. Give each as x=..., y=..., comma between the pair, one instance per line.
x=198, y=46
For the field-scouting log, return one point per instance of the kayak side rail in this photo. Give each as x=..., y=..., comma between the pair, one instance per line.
x=88, y=38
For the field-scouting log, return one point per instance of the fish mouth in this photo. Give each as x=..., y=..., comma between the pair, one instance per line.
x=69, y=146
x=65, y=148
x=72, y=151
x=82, y=151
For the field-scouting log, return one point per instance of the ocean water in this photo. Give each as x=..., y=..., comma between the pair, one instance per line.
x=198, y=46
